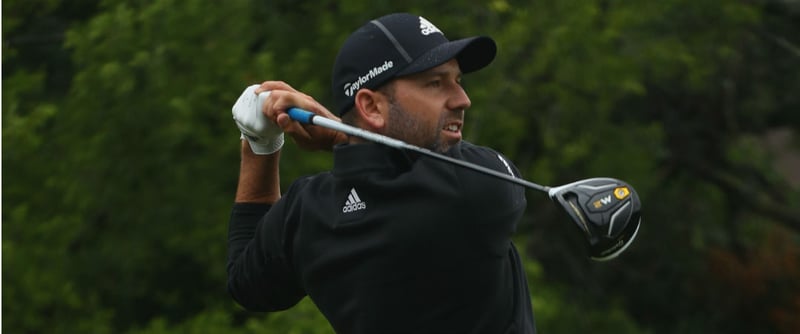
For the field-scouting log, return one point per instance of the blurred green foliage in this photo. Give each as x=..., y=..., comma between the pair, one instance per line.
x=120, y=157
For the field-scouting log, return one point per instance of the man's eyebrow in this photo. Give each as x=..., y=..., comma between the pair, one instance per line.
x=434, y=73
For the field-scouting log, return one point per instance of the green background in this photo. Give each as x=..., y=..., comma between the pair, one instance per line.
x=120, y=157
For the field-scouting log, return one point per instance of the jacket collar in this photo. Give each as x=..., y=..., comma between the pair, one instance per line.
x=349, y=159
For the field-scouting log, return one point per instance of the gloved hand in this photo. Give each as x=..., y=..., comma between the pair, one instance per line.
x=264, y=136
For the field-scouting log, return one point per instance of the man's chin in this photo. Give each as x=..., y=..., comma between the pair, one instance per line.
x=444, y=146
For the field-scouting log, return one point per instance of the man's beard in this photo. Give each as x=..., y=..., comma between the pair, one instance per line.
x=403, y=127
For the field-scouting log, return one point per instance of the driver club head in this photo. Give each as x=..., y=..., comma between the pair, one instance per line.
x=607, y=210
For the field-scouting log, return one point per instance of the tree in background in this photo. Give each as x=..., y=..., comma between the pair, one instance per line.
x=120, y=157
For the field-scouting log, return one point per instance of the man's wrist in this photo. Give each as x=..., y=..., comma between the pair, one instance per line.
x=259, y=180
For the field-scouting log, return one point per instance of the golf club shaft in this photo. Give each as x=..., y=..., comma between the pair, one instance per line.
x=307, y=117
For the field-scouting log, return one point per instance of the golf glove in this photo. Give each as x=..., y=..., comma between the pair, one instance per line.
x=264, y=136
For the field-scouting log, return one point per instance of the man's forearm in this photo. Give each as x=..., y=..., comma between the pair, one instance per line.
x=259, y=177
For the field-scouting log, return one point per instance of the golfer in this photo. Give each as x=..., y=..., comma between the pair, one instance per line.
x=387, y=241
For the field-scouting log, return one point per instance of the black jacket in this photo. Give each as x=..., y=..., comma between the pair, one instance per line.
x=388, y=244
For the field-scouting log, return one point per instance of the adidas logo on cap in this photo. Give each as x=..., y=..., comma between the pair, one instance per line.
x=353, y=202
x=427, y=28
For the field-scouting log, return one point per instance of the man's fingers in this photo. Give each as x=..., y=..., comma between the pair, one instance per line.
x=275, y=85
x=280, y=101
x=284, y=96
x=307, y=137
x=290, y=127
x=284, y=121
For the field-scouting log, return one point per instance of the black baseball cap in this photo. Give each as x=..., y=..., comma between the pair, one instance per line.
x=400, y=44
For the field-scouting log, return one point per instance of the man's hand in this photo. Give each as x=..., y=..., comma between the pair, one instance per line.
x=309, y=137
x=264, y=136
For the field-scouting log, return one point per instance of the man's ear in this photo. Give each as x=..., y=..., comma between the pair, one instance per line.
x=371, y=107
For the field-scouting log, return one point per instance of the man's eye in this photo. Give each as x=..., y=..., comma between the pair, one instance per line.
x=434, y=83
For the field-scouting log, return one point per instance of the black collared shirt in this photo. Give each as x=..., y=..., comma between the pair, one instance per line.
x=388, y=244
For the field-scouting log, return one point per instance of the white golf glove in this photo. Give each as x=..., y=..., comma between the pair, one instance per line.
x=264, y=136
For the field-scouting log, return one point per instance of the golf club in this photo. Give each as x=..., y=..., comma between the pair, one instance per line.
x=607, y=210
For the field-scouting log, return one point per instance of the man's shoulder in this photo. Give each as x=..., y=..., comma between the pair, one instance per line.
x=466, y=145
x=310, y=180
x=469, y=150
x=484, y=156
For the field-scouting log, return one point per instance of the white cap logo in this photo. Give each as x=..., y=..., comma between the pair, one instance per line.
x=351, y=88
x=427, y=28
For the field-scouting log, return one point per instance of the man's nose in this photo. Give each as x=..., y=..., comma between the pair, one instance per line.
x=458, y=99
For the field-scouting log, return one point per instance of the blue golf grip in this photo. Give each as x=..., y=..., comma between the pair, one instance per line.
x=300, y=115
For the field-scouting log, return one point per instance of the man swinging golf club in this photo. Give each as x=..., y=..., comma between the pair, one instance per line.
x=390, y=240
